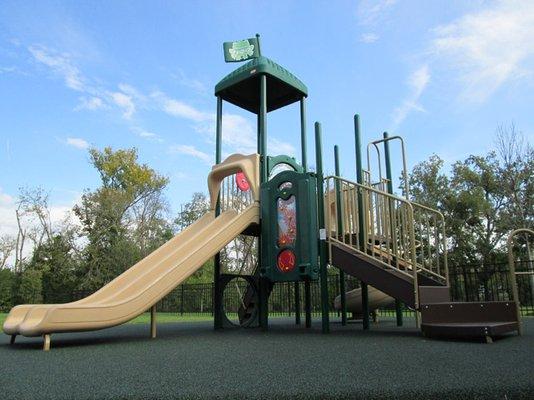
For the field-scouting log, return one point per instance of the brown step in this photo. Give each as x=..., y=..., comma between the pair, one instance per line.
x=462, y=320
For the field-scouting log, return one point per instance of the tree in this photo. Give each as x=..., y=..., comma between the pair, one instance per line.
x=7, y=247
x=6, y=289
x=33, y=221
x=56, y=261
x=124, y=218
x=29, y=287
x=517, y=170
x=190, y=212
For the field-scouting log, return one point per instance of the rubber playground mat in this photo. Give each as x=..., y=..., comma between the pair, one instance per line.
x=191, y=361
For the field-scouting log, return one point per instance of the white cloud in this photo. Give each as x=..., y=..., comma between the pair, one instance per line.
x=195, y=84
x=61, y=64
x=95, y=97
x=191, y=151
x=90, y=103
x=275, y=146
x=488, y=48
x=178, y=108
x=146, y=134
x=77, y=142
x=417, y=83
x=239, y=135
x=8, y=221
x=124, y=102
x=369, y=37
x=369, y=12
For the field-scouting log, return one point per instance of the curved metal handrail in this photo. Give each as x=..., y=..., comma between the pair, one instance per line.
x=511, y=267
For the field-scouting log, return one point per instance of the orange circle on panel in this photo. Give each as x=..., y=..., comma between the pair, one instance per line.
x=242, y=182
x=286, y=260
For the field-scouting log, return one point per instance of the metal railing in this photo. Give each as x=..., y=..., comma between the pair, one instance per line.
x=232, y=197
x=431, y=242
x=513, y=272
x=399, y=234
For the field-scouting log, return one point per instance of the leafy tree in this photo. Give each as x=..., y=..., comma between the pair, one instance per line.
x=7, y=247
x=29, y=287
x=191, y=212
x=124, y=218
x=56, y=261
x=6, y=289
x=482, y=199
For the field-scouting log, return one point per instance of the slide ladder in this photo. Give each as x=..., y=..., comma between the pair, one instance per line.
x=399, y=248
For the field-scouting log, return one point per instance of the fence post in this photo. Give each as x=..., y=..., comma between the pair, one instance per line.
x=297, y=303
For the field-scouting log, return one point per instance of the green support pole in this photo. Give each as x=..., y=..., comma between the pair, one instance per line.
x=389, y=176
x=262, y=144
x=297, y=303
x=304, y=156
x=217, y=295
x=340, y=225
x=303, y=134
x=322, y=231
x=307, y=303
x=361, y=216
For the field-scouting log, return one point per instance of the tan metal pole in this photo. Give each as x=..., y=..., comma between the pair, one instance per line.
x=511, y=267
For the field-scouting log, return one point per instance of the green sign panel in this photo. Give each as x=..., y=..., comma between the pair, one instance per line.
x=289, y=228
x=241, y=50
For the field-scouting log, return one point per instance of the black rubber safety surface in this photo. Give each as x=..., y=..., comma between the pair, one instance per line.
x=191, y=361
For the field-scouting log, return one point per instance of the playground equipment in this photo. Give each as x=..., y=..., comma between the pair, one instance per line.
x=297, y=222
x=354, y=305
x=144, y=284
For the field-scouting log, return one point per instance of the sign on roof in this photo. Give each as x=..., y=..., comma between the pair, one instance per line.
x=241, y=50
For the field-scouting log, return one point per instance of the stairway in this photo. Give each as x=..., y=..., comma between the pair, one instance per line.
x=440, y=317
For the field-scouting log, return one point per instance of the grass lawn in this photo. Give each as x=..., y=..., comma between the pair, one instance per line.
x=173, y=317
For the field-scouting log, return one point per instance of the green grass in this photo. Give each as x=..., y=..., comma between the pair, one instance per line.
x=173, y=317
x=170, y=317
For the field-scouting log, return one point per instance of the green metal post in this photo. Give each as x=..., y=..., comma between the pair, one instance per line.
x=322, y=231
x=307, y=303
x=389, y=176
x=263, y=127
x=340, y=225
x=304, y=156
x=303, y=133
x=297, y=303
x=258, y=40
x=361, y=216
x=217, y=295
x=262, y=144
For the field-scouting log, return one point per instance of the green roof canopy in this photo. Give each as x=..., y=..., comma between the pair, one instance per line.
x=242, y=86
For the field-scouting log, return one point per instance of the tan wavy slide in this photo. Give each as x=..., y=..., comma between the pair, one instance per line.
x=353, y=298
x=141, y=286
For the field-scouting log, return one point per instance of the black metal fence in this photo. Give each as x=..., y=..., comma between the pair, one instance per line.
x=468, y=283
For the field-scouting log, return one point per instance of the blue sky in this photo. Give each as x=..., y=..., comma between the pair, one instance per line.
x=74, y=74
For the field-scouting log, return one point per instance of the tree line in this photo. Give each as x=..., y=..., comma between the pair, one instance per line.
x=109, y=230
x=483, y=198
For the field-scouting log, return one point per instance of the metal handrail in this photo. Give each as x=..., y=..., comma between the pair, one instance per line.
x=438, y=216
x=387, y=218
x=403, y=152
x=513, y=273
x=232, y=198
